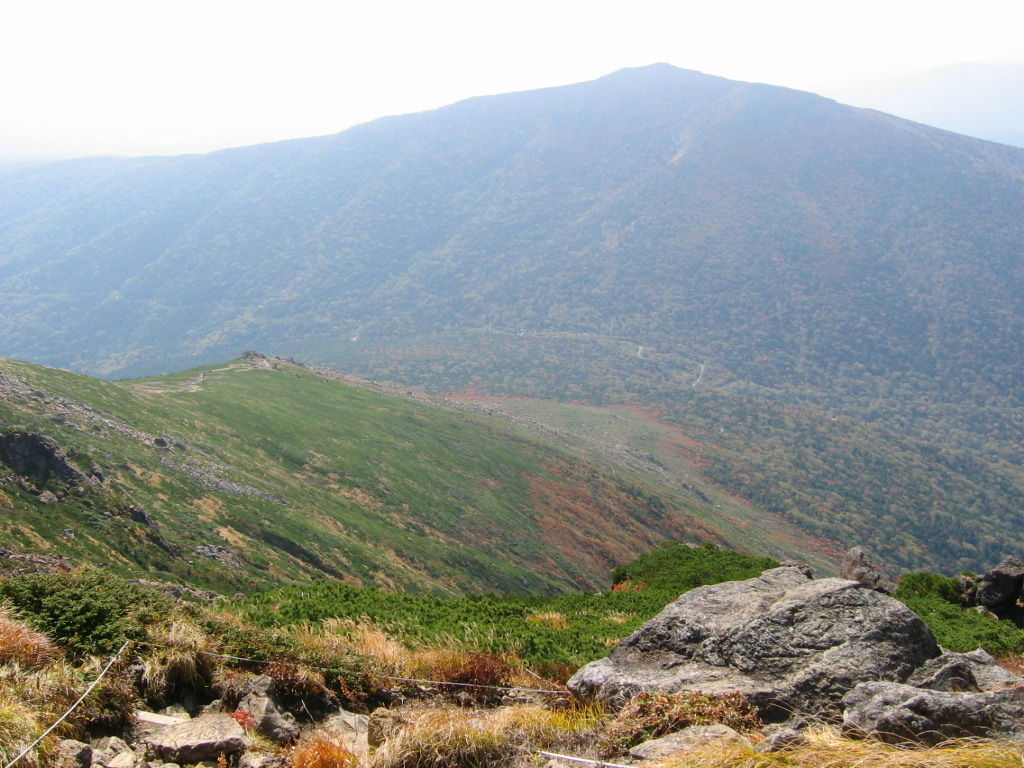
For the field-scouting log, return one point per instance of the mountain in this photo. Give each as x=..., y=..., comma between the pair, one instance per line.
x=983, y=100
x=260, y=471
x=823, y=304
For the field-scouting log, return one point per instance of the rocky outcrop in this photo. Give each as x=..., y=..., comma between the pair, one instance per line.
x=35, y=456
x=789, y=643
x=898, y=714
x=999, y=590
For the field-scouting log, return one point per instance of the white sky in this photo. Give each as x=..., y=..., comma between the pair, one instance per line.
x=157, y=76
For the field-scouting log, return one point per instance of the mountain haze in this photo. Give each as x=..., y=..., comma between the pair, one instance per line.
x=826, y=302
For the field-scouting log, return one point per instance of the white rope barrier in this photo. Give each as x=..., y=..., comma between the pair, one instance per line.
x=583, y=760
x=389, y=677
x=74, y=706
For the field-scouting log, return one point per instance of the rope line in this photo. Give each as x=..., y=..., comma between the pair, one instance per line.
x=389, y=677
x=74, y=706
x=582, y=760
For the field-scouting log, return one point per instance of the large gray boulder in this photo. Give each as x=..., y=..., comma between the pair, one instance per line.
x=206, y=737
x=791, y=644
x=1000, y=588
x=900, y=714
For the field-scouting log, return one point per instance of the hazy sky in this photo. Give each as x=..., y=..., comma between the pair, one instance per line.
x=151, y=76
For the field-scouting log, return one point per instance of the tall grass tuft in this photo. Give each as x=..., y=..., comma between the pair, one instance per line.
x=179, y=660
x=19, y=727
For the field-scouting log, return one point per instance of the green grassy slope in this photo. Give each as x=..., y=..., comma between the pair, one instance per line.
x=297, y=473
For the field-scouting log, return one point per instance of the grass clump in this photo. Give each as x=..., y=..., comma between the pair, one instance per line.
x=651, y=715
x=178, y=661
x=454, y=738
x=21, y=644
x=826, y=748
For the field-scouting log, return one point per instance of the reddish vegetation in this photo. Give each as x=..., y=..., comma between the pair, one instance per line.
x=598, y=523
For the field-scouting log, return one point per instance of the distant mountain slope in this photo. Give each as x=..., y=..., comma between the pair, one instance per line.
x=983, y=100
x=787, y=238
x=260, y=471
x=827, y=300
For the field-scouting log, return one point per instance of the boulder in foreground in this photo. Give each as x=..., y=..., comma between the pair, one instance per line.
x=791, y=644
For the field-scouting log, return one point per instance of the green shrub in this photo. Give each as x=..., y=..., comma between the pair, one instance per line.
x=86, y=612
x=922, y=585
x=938, y=600
x=675, y=568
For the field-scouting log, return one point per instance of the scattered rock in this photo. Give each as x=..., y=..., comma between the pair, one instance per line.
x=347, y=722
x=382, y=725
x=898, y=714
x=686, y=740
x=857, y=566
x=782, y=740
x=258, y=760
x=122, y=760
x=271, y=718
x=74, y=754
x=204, y=738
x=790, y=644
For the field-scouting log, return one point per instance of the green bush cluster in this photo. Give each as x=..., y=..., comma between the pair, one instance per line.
x=87, y=612
x=589, y=622
x=940, y=602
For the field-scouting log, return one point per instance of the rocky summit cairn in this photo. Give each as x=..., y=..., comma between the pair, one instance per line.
x=791, y=644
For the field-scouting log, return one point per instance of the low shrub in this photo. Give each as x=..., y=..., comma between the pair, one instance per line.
x=87, y=612
x=938, y=601
x=650, y=715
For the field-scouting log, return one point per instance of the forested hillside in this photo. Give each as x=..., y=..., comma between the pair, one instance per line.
x=828, y=301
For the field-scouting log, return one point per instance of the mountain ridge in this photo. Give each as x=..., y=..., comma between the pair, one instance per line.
x=261, y=472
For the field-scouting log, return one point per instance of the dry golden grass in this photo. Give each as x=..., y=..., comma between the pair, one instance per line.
x=554, y=619
x=23, y=645
x=826, y=748
x=446, y=737
x=178, y=660
x=619, y=617
x=365, y=638
x=321, y=750
x=20, y=725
